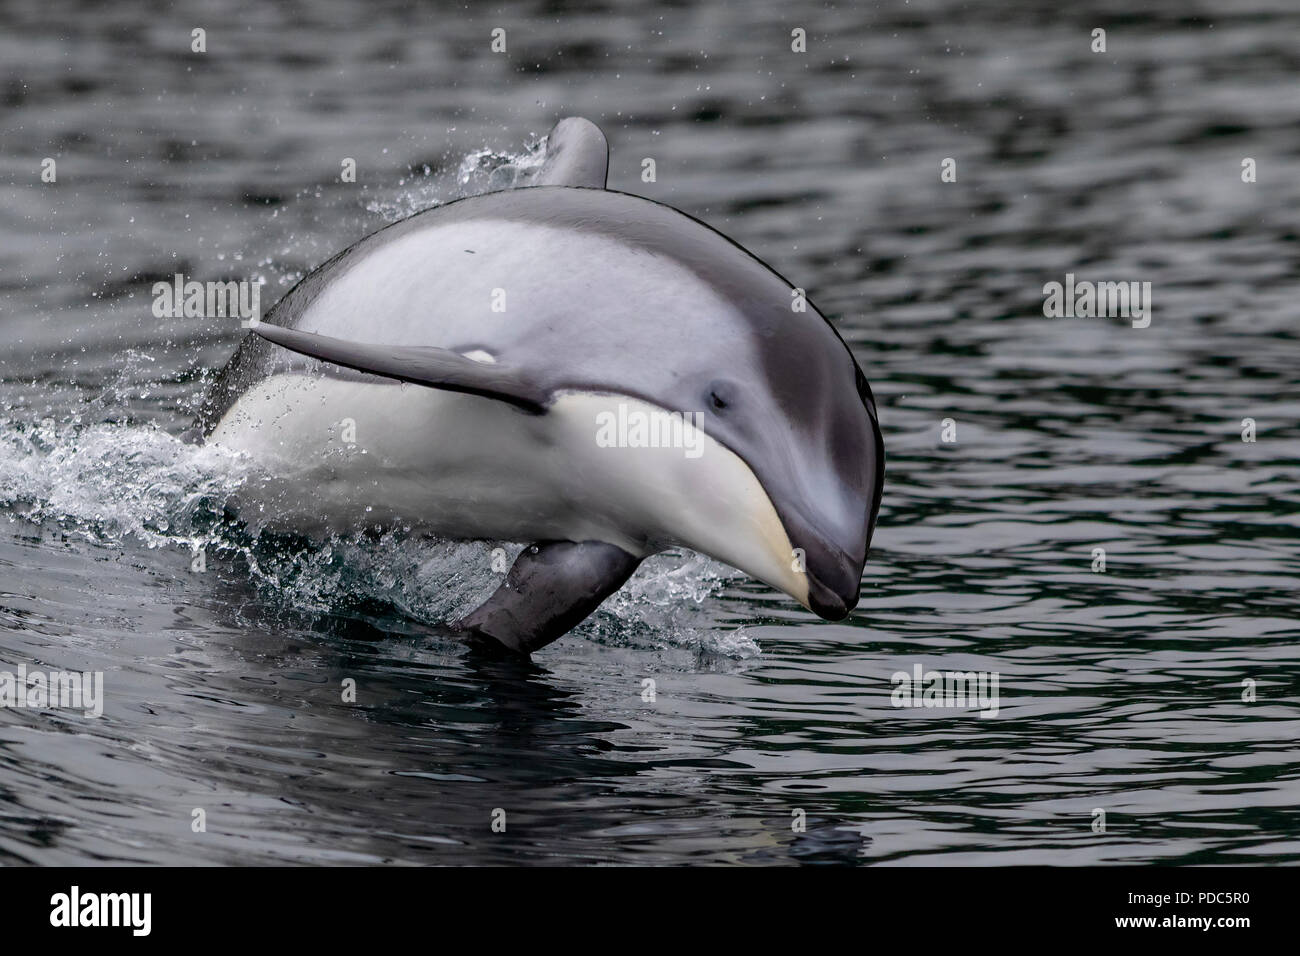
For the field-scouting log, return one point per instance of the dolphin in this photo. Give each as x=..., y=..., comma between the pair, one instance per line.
x=595, y=374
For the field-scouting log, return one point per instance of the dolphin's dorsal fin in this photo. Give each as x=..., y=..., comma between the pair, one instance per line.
x=576, y=155
x=432, y=367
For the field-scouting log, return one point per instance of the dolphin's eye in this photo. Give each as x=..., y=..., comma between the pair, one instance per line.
x=720, y=396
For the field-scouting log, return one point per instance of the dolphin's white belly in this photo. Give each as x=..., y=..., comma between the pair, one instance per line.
x=468, y=467
x=359, y=452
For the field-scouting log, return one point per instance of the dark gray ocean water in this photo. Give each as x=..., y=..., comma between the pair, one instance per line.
x=1120, y=691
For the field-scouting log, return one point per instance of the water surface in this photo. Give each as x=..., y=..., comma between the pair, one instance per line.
x=1120, y=691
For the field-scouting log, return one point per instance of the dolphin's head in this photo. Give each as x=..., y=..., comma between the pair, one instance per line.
x=786, y=486
x=792, y=493
x=802, y=419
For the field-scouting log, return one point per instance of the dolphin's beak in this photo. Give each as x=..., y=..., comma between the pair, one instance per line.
x=833, y=587
x=832, y=576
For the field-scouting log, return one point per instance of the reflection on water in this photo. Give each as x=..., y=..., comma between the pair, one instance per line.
x=770, y=737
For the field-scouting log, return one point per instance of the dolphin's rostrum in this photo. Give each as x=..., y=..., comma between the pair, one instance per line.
x=475, y=346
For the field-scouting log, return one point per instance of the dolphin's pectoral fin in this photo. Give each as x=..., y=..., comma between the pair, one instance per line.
x=577, y=154
x=552, y=586
x=434, y=367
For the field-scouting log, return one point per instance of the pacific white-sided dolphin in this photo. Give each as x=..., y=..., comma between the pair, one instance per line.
x=497, y=367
